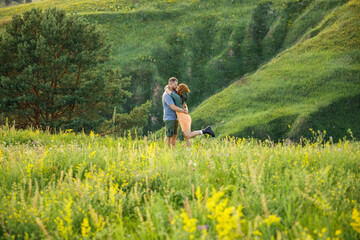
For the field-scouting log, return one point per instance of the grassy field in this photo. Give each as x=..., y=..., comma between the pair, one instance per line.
x=74, y=186
x=77, y=186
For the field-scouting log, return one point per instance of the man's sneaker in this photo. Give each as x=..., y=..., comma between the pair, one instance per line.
x=209, y=131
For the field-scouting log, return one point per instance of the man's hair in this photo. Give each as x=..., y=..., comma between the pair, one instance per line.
x=173, y=79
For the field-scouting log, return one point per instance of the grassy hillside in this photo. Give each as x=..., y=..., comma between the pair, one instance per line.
x=314, y=84
x=74, y=186
x=212, y=44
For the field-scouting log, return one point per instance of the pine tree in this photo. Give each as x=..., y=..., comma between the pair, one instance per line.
x=52, y=71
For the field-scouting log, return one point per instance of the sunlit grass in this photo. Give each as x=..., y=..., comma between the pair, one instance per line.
x=76, y=186
x=304, y=79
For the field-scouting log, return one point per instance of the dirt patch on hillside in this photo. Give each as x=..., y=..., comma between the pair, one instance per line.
x=243, y=80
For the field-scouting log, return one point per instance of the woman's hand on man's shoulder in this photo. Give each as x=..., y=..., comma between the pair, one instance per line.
x=167, y=90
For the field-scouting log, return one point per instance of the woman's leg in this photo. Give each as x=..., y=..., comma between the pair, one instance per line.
x=188, y=142
x=189, y=134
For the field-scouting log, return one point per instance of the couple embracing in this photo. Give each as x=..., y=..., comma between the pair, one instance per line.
x=176, y=111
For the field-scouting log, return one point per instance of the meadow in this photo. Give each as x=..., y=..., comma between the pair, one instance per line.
x=77, y=186
x=300, y=75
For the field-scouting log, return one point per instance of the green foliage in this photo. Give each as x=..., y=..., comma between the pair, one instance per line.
x=170, y=58
x=80, y=186
x=311, y=16
x=273, y=41
x=336, y=119
x=52, y=71
x=314, y=84
x=123, y=122
x=261, y=20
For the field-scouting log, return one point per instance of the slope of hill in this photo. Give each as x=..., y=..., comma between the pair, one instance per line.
x=211, y=44
x=314, y=85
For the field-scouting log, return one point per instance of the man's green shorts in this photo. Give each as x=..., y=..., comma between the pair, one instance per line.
x=171, y=127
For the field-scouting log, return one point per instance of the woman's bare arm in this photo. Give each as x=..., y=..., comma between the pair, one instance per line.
x=167, y=90
x=185, y=107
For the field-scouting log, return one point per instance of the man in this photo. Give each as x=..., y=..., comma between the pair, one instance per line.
x=170, y=119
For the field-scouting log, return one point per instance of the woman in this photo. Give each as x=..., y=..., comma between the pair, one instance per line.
x=180, y=97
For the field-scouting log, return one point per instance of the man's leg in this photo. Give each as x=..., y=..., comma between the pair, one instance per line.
x=171, y=132
x=175, y=129
x=167, y=141
x=173, y=140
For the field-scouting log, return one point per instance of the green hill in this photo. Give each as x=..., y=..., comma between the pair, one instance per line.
x=312, y=85
x=305, y=54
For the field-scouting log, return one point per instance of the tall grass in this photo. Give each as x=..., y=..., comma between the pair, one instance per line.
x=73, y=186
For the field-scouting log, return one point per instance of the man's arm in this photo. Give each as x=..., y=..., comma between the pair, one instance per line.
x=177, y=109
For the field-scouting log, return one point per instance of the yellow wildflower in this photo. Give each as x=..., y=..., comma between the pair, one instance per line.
x=92, y=154
x=85, y=227
x=198, y=196
x=227, y=218
x=257, y=232
x=271, y=219
x=61, y=228
x=356, y=217
x=212, y=202
x=189, y=224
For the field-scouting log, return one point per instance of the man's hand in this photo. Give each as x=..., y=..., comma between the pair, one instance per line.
x=177, y=109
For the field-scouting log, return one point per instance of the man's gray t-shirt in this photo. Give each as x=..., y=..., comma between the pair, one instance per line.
x=169, y=114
